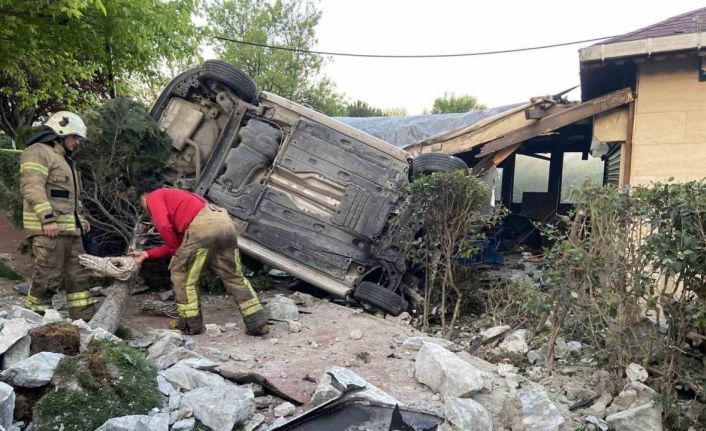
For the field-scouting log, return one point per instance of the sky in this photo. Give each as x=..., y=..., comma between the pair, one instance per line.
x=454, y=26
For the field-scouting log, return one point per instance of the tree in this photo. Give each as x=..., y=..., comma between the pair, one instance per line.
x=449, y=103
x=68, y=54
x=295, y=75
x=363, y=109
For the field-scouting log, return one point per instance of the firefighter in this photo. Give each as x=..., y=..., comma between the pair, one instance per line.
x=53, y=215
x=197, y=233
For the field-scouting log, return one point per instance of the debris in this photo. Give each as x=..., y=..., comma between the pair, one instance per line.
x=598, y=422
x=184, y=425
x=174, y=399
x=86, y=334
x=285, y=409
x=233, y=373
x=255, y=421
x=167, y=350
x=158, y=308
x=598, y=409
x=57, y=337
x=187, y=378
x=515, y=342
x=158, y=422
x=12, y=331
x=16, y=353
x=336, y=380
x=51, y=316
x=303, y=299
x=646, y=417
x=7, y=405
x=636, y=373
x=538, y=412
x=404, y=319
x=282, y=308
x=199, y=364
x=167, y=295
x=178, y=414
x=633, y=395
x=22, y=288
x=164, y=386
x=294, y=326
x=212, y=330
x=278, y=273
x=308, y=378
x=506, y=369
x=18, y=312
x=220, y=407
x=33, y=372
x=416, y=343
x=465, y=414
x=584, y=402
x=536, y=357
x=262, y=403
x=355, y=334
x=102, y=334
x=228, y=327
x=446, y=373
x=494, y=332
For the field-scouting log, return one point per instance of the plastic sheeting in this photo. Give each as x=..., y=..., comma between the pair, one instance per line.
x=405, y=131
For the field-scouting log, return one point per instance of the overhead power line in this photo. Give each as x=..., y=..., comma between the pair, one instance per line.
x=350, y=54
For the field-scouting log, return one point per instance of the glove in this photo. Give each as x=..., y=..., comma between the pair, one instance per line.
x=120, y=267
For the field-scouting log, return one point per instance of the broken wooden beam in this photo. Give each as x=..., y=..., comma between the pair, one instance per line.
x=571, y=115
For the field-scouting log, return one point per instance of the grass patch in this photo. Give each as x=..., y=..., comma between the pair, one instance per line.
x=363, y=356
x=123, y=332
x=8, y=273
x=109, y=380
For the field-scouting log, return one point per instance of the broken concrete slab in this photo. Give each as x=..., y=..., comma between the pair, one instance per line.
x=337, y=379
x=515, y=342
x=33, y=372
x=7, y=405
x=465, y=414
x=172, y=355
x=636, y=373
x=495, y=331
x=12, y=330
x=184, y=425
x=187, y=378
x=416, y=343
x=255, y=421
x=164, y=386
x=539, y=412
x=213, y=330
x=18, y=312
x=221, y=407
x=202, y=364
x=158, y=422
x=284, y=409
x=18, y=352
x=633, y=395
x=51, y=316
x=646, y=417
x=162, y=341
x=179, y=413
x=281, y=308
x=446, y=373
x=102, y=334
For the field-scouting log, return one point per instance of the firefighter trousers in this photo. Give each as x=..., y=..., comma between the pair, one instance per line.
x=211, y=240
x=56, y=263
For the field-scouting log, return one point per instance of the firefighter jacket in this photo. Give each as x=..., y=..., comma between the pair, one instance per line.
x=50, y=187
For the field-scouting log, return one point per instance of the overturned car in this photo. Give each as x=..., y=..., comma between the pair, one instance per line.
x=314, y=197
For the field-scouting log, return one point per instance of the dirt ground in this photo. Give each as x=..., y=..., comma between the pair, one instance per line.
x=286, y=359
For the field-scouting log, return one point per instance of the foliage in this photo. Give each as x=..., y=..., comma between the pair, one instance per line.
x=10, y=199
x=448, y=208
x=515, y=303
x=363, y=109
x=87, y=393
x=124, y=143
x=628, y=255
x=65, y=53
x=450, y=102
x=291, y=74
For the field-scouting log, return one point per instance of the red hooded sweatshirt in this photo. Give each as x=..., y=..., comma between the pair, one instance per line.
x=172, y=211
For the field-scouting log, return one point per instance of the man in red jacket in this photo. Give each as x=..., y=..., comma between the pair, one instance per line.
x=198, y=233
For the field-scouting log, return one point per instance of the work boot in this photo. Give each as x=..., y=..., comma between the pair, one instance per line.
x=190, y=325
x=86, y=313
x=257, y=324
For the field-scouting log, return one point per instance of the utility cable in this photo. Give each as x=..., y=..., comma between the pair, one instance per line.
x=349, y=54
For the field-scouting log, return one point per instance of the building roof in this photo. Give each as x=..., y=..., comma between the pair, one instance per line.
x=689, y=22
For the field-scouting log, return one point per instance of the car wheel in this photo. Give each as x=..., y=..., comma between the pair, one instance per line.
x=179, y=86
x=230, y=76
x=377, y=296
x=428, y=163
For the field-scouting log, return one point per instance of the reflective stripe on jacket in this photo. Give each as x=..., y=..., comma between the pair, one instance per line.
x=50, y=188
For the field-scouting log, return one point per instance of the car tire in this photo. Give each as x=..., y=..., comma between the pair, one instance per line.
x=225, y=73
x=377, y=296
x=428, y=163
